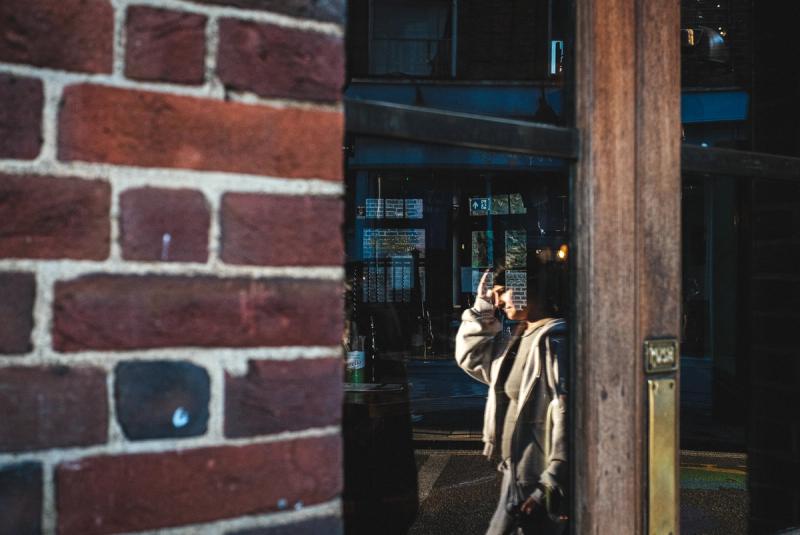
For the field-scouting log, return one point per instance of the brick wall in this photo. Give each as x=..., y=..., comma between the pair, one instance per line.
x=170, y=266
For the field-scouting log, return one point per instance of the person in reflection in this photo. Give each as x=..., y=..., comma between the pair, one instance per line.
x=526, y=410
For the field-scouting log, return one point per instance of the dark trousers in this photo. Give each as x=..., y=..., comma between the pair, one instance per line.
x=504, y=523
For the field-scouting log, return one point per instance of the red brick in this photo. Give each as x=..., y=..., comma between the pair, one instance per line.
x=16, y=312
x=21, y=101
x=73, y=35
x=55, y=407
x=327, y=10
x=21, y=498
x=281, y=230
x=128, y=312
x=48, y=217
x=164, y=45
x=324, y=525
x=164, y=224
x=135, y=492
x=279, y=396
x=279, y=62
x=121, y=126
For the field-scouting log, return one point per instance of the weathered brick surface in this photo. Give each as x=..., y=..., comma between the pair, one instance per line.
x=18, y=291
x=127, y=312
x=121, y=126
x=278, y=62
x=326, y=10
x=279, y=396
x=21, y=499
x=161, y=399
x=73, y=35
x=136, y=492
x=326, y=525
x=46, y=217
x=164, y=224
x=281, y=230
x=164, y=45
x=21, y=101
x=52, y=407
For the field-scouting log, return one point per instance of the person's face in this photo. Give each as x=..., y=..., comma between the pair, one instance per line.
x=504, y=300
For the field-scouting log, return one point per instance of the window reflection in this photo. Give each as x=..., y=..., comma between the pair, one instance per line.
x=420, y=241
x=740, y=79
x=423, y=223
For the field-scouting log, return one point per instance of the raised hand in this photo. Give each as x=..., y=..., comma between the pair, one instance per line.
x=486, y=293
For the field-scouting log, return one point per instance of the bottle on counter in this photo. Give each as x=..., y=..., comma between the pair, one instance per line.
x=373, y=352
x=356, y=361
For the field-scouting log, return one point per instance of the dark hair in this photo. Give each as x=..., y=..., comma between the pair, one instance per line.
x=547, y=283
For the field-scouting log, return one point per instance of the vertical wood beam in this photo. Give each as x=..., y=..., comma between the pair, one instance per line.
x=607, y=389
x=658, y=177
x=627, y=244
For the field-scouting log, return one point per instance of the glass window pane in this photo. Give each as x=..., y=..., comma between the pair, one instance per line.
x=741, y=263
x=740, y=75
x=419, y=242
x=507, y=59
x=424, y=224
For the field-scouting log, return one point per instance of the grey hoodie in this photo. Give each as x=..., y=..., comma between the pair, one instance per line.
x=480, y=353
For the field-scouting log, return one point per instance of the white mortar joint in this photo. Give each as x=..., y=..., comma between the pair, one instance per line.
x=267, y=17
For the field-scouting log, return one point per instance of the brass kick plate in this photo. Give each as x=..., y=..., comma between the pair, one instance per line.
x=662, y=450
x=661, y=355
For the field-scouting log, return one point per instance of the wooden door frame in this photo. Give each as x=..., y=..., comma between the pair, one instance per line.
x=626, y=202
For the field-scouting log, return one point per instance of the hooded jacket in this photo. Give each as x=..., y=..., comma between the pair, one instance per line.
x=480, y=351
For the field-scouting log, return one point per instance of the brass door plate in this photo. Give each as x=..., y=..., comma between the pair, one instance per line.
x=661, y=355
x=662, y=453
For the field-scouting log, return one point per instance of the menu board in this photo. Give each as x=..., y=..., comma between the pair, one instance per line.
x=391, y=208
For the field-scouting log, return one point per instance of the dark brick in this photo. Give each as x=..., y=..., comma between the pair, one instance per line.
x=281, y=230
x=775, y=294
x=122, y=126
x=771, y=405
x=776, y=257
x=279, y=396
x=21, y=101
x=278, y=62
x=781, y=368
x=135, y=492
x=772, y=438
x=16, y=312
x=128, y=312
x=73, y=35
x=771, y=503
x=164, y=45
x=773, y=224
x=326, y=525
x=326, y=10
x=21, y=499
x=771, y=192
x=161, y=399
x=47, y=217
x=164, y=224
x=774, y=329
x=776, y=471
x=55, y=407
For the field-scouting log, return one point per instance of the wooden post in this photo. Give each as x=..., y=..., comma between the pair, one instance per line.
x=627, y=244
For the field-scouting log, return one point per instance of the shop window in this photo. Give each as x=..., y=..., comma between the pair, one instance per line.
x=411, y=39
x=740, y=270
x=418, y=242
x=457, y=39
